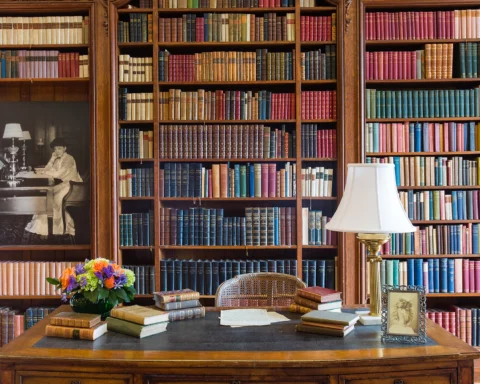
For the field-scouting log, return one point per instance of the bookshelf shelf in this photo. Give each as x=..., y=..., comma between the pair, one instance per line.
x=229, y=44
x=144, y=296
x=319, y=198
x=318, y=82
x=420, y=222
x=432, y=256
x=31, y=297
x=431, y=295
x=45, y=46
x=226, y=199
x=226, y=83
x=136, y=84
x=318, y=159
x=138, y=247
x=62, y=247
x=227, y=247
x=317, y=9
x=122, y=122
x=423, y=119
x=418, y=82
x=316, y=43
x=224, y=10
x=137, y=198
x=135, y=160
x=64, y=80
x=417, y=42
x=459, y=153
x=274, y=160
x=319, y=121
x=319, y=246
x=135, y=10
x=135, y=45
x=191, y=122
x=455, y=187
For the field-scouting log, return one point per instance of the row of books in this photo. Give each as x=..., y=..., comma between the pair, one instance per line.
x=144, y=278
x=23, y=64
x=317, y=182
x=388, y=104
x=135, y=182
x=468, y=66
x=318, y=142
x=145, y=3
x=135, y=143
x=460, y=321
x=318, y=105
x=459, y=239
x=183, y=304
x=29, y=278
x=227, y=27
x=134, y=69
x=313, y=228
x=178, y=4
x=435, y=62
x=420, y=25
x=44, y=30
x=439, y=205
x=226, y=66
x=176, y=104
x=422, y=137
x=135, y=105
x=436, y=275
x=318, y=28
x=205, y=276
x=208, y=226
x=220, y=141
x=138, y=28
x=320, y=273
x=223, y=181
x=136, y=229
x=426, y=171
x=318, y=65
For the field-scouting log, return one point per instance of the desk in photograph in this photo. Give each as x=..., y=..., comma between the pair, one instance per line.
x=202, y=351
x=31, y=196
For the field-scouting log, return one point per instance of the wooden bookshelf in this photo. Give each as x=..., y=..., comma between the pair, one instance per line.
x=154, y=254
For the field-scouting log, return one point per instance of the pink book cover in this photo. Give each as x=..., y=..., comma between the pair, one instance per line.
x=477, y=276
x=446, y=144
x=430, y=314
x=413, y=64
x=453, y=323
x=265, y=180
x=475, y=205
x=459, y=137
x=471, y=268
x=466, y=276
x=439, y=318
x=387, y=62
x=445, y=320
x=272, y=186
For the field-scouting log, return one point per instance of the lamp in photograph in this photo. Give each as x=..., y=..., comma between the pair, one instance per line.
x=371, y=207
x=12, y=131
x=26, y=136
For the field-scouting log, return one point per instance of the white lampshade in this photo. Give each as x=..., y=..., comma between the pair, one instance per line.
x=370, y=202
x=12, y=130
x=26, y=135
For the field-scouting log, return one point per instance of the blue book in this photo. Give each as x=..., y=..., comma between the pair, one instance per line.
x=443, y=275
x=410, y=272
x=320, y=273
x=276, y=225
x=396, y=162
x=312, y=273
x=418, y=137
x=454, y=205
x=215, y=276
x=451, y=275
x=236, y=181
x=305, y=272
x=251, y=174
x=418, y=272
x=460, y=205
x=474, y=327
x=471, y=136
x=425, y=138
x=330, y=274
x=411, y=137
x=475, y=239
x=163, y=275
x=430, y=276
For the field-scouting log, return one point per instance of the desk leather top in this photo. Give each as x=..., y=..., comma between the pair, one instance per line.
x=208, y=335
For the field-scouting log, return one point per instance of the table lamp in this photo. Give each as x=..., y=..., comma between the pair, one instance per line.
x=370, y=206
x=12, y=131
x=26, y=136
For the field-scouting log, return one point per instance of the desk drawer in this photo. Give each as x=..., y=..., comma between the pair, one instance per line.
x=26, y=377
x=440, y=376
x=237, y=379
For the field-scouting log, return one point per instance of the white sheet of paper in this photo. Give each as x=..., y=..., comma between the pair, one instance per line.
x=244, y=317
x=276, y=317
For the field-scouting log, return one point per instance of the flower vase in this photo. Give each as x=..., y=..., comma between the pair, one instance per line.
x=81, y=304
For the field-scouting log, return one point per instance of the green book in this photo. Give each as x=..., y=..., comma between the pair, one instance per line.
x=463, y=68
x=398, y=109
x=426, y=103
x=330, y=317
x=436, y=94
x=389, y=272
x=410, y=103
x=404, y=104
x=461, y=106
x=324, y=331
x=133, y=329
x=467, y=102
x=368, y=102
x=395, y=272
x=373, y=104
x=415, y=104
x=243, y=181
x=441, y=96
x=388, y=103
x=474, y=60
x=457, y=103
x=420, y=104
x=378, y=105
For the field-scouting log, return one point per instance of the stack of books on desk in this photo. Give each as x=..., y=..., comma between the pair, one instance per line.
x=72, y=325
x=182, y=304
x=310, y=298
x=327, y=323
x=137, y=321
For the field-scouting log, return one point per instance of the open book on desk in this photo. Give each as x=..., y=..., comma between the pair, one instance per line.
x=249, y=317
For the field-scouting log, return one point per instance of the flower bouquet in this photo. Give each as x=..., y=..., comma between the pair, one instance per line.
x=97, y=281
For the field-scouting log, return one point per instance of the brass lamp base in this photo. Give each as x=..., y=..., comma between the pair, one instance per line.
x=373, y=242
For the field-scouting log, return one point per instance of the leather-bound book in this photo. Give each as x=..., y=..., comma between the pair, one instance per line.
x=77, y=333
x=139, y=314
x=178, y=295
x=319, y=294
x=73, y=319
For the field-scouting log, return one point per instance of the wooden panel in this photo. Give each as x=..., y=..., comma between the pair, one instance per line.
x=441, y=376
x=234, y=380
x=35, y=377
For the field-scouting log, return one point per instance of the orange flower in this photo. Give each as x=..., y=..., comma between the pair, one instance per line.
x=99, y=265
x=116, y=267
x=109, y=283
x=64, y=279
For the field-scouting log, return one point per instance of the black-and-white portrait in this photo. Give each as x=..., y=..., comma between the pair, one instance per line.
x=45, y=173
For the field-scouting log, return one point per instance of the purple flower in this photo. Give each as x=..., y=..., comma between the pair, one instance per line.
x=64, y=297
x=72, y=283
x=79, y=269
x=99, y=275
x=120, y=281
x=108, y=271
x=83, y=281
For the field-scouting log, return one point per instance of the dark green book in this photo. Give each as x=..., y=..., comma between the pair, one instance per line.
x=343, y=318
x=135, y=330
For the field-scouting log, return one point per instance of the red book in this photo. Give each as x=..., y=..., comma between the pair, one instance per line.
x=319, y=294
x=477, y=276
x=272, y=185
x=466, y=276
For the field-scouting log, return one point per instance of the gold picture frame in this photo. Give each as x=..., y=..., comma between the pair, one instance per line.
x=404, y=314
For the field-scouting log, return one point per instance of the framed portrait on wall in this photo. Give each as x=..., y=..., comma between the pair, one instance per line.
x=403, y=314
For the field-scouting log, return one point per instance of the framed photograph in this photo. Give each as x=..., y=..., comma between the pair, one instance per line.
x=403, y=314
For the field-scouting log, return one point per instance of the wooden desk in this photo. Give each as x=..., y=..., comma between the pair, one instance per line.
x=201, y=351
x=32, y=196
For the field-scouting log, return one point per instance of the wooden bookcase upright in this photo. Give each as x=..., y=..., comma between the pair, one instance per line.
x=154, y=253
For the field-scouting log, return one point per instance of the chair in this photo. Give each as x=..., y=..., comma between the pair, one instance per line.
x=77, y=196
x=258, y=290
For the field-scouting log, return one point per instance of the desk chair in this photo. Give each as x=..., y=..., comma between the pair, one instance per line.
x=77, y=196
x=258, y=289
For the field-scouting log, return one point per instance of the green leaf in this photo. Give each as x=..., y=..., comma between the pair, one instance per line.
x=121, y=294
x=102, y=293
x=112, y=297
x=91, y=295
x=53, y=281
x=130, y=290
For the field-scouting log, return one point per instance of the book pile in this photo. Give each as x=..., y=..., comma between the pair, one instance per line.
x=182, y=304
x=327, y=323
x=310, y=298
x=137, y=321
x=72, y=325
